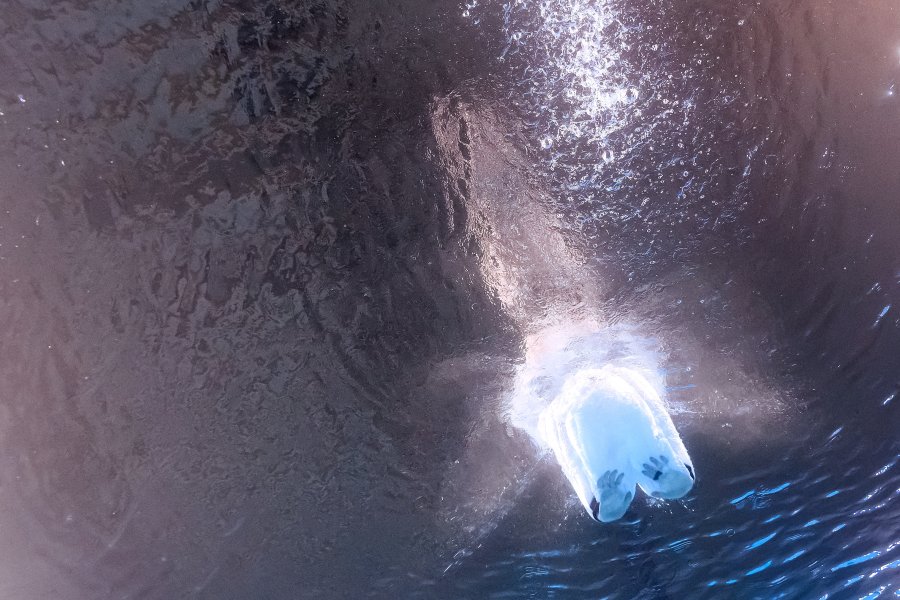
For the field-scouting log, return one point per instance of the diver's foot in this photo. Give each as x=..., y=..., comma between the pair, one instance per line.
x=670, y=481
x=614, y=498
x=656, y=467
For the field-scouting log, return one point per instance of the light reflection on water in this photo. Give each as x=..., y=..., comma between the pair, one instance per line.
x=793, y=558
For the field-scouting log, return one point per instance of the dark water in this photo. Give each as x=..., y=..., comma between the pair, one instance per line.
x=267, y=268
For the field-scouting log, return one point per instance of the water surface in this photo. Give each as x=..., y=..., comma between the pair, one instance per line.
x=267, y=269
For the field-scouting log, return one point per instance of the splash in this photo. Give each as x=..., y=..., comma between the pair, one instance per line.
x=594, y=398
x=556, y=353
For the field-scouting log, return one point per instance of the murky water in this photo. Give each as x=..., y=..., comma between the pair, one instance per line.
x=267, y=271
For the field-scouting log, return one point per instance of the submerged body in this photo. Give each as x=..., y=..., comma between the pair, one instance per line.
x=610, y=431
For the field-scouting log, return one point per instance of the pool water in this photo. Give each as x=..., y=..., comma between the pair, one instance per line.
x=268, y=271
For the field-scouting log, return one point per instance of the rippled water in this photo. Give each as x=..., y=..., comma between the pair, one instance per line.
x=267, y=271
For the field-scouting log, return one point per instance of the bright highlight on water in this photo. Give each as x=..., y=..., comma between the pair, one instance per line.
x=592, y=397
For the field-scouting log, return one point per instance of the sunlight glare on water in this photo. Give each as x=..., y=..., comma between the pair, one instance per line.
x=631, y=135
x=583, y=86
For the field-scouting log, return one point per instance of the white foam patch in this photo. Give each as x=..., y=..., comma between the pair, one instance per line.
x=594, y=398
